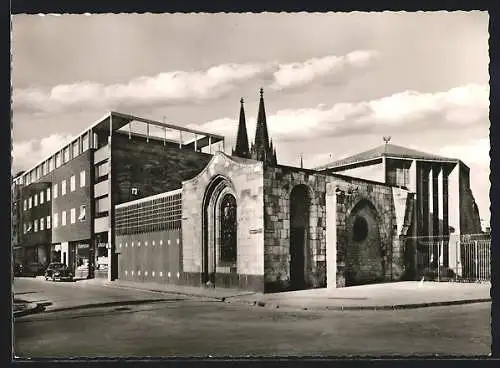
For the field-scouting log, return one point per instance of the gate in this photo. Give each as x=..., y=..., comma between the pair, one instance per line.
x=465, y=258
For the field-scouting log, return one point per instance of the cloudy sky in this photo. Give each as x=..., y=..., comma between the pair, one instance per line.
x=334, y=83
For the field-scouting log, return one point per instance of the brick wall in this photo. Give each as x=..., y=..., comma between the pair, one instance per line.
x=81, y=196
x=151, y=167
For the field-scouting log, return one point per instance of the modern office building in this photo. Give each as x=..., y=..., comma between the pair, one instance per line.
x=66, y=202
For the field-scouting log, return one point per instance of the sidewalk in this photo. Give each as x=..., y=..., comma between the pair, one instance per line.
x=23, y=307
x=397, y=295
x=212, y=293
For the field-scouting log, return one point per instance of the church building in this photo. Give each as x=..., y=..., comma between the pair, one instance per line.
x=173, y=207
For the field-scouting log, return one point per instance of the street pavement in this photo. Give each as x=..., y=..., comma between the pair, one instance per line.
x=93, y=320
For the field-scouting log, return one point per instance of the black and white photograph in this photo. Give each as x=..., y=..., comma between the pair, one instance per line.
x=250, y=185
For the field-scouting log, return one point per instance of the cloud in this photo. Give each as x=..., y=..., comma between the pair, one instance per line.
x=26, y=154
x=409, y=111
x=474, y=153
x=325, y=70
x=177, y=87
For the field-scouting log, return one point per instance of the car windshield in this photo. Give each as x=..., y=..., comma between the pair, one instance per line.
x=56, y=265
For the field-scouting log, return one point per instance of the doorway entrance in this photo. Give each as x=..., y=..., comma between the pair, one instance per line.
x=299, y=224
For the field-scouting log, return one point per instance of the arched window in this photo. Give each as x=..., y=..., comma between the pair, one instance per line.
x=227, y=220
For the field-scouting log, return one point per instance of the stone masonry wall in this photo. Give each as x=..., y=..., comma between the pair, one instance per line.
x=278, y=184
x=389, y=211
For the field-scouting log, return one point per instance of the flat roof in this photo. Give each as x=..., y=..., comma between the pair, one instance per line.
x=118, y=121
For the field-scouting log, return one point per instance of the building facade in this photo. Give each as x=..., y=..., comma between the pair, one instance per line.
x=135, y=199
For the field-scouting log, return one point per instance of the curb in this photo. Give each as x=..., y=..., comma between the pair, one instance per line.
x=32, y=308
x=365, y=307
x=200, y=295
x=109, y=304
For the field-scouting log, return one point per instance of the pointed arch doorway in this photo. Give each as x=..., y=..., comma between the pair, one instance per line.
x=219, y=222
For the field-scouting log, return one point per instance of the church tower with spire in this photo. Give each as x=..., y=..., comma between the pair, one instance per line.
x=241, y=149
x=262, y=148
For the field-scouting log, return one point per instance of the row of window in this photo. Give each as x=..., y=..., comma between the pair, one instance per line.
x=44, y=195
x=44, y=223
x=67, y=153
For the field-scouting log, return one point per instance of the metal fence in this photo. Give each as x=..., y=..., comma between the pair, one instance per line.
x=453, y=258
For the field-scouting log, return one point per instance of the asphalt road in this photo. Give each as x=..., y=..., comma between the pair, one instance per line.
x=179, y=326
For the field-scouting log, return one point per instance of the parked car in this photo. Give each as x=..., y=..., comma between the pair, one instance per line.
x=58, y=271
x=33, y=269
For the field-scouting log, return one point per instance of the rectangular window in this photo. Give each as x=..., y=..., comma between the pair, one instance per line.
x=42, y=197
x=63, y=187
x=54, y=190
x=55, y=216
x=72, y=215
x=42, y=223
x=51, y=164
x=63, y=218
x=402, y=177
x=35, y=225
x=75, y=149
x=58, y=159
x=85, y=142
x=25, y=228
x=48, y=194
x=35, y=200
x=44, y=168
x=81, y=216
x=48, y=222
x=66, y=154
x=30, y=202
x=72, y=183
x=82, y=179
x=25, y=205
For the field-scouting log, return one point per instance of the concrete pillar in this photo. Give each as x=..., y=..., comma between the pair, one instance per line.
x=430, y=214
x=331, y=237
x=454, y=220
x=440, y=214
x=412, y=186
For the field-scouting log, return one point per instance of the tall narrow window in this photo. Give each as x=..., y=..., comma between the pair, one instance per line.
x=30, y=202
x=42, y=223
x=82, y=179
x=35, y=225
x=48, y=194
x=55, y=191
x=63, y=218
x=42, y=197
x=228, y=228
x=58, y=159
x=72, y=183
x=48, y=222
x=35, y=200
x=55, y=217
x=72, y=215
x=25, y=205
x=63, y=187
x=81, y=216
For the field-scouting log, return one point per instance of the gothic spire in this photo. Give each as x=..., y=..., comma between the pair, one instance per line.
x=242, y=149
x=263, y=150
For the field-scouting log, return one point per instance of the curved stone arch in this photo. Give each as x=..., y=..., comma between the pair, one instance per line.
x=218, y=186
x=359, y=200
x=312, y=193
x=359, y=203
